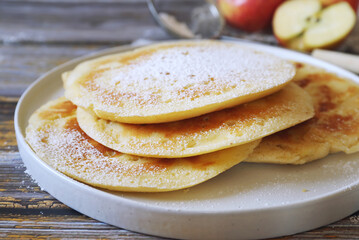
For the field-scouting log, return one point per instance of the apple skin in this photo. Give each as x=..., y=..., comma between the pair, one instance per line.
x=248, y=15
x=353, y=3
x=297, y=44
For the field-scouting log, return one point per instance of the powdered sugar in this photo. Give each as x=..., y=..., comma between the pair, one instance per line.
x=167, y=78
x=59, y=141
x=207, y=133
x=69, y=150
x=202, y=68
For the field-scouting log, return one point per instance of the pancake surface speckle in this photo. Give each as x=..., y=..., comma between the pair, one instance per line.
x=54, y=134
x=207, y=133
x=335, y=127
x=174, y=81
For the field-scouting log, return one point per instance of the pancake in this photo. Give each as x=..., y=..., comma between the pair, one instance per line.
x=54, y=135
x=206, y=133
x=174, y=81
x=335, y=127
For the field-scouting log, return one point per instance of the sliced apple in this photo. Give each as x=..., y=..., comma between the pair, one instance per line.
x=304, y=24
x=332, y=25
x=291, y=18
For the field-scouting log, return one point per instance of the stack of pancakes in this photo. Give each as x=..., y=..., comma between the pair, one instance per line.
x=172, y=115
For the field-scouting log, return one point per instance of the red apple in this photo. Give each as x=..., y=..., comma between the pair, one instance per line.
x=248, y=15
x=353, y=3
x=305, y=25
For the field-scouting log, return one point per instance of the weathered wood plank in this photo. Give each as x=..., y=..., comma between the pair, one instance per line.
x=18, y=190
x=7, y=132
x=116, y=22
x=7, y=136
x=68, y=226
x=20, y=65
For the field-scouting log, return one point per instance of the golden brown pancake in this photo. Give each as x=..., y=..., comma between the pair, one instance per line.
x=207, y=133
x=335, y=127
x=55, y=136
x=174, y=81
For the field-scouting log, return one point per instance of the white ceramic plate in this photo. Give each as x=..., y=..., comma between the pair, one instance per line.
x=248, y=201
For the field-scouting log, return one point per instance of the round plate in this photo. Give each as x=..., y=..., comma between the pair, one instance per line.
x=247, y=201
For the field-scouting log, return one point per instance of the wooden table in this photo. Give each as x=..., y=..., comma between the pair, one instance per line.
x=36, y=36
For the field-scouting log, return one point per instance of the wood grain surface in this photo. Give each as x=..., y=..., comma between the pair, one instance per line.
x=36, y=36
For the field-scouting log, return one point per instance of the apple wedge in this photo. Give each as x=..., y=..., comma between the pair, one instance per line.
x=304, y=24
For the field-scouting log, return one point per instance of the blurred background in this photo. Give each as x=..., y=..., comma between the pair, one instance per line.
x=37, y=35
